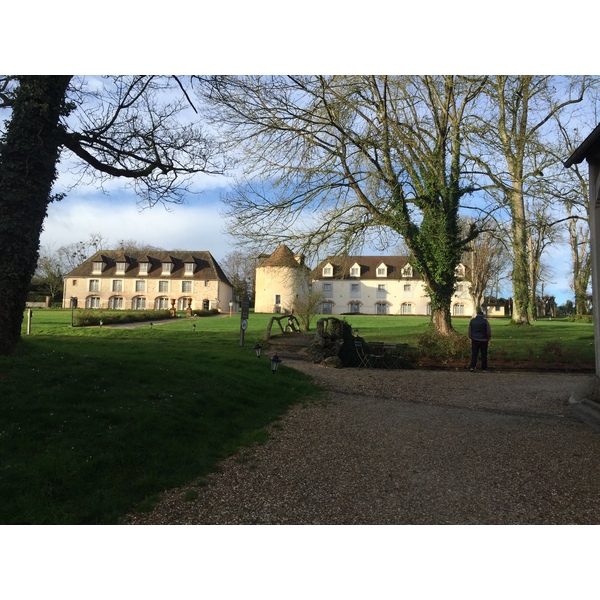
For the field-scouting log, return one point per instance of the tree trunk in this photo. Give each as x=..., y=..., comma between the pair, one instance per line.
x=520, y=275
x=28, y=157
x=442, y=321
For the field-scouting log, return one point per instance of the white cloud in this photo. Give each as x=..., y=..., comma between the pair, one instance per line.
x=194, y=226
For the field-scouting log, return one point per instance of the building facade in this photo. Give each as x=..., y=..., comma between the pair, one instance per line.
x=381, y=285
x=140, y=281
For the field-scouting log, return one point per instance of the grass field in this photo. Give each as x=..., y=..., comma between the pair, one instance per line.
x=95, y=422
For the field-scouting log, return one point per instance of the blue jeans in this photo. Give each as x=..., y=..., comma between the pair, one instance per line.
x=478, y=346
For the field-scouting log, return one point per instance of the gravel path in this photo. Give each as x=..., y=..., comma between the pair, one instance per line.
x=409, y=447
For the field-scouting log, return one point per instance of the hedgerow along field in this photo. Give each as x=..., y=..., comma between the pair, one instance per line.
x=97, y=421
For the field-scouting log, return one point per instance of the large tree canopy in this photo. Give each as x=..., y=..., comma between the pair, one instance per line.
x=129, y=127
x=338, y=156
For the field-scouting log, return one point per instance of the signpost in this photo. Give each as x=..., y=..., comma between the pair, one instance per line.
x=244, y=319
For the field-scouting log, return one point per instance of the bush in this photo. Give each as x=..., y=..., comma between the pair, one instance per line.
x=443, y=348
x=90, y=317
x=580, y=318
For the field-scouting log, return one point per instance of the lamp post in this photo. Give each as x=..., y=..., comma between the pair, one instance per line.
x=257, y=349
x=275, y=362
x=73, y=302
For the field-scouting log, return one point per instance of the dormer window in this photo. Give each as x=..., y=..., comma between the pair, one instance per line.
x=97, y=267
x=460, y=271
x=121, y=267
x=355, y=270
x=407, y=271
x=167, y=267
x=327, y=271
x=382, y=270
x=144, y=268
x=189, y=268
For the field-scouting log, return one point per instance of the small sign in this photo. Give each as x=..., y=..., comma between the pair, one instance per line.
x=244, y=324
x=245, y=308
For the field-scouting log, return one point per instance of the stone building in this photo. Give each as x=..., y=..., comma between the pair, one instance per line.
x=113, y=279
x=280, y=278
x=380, y=285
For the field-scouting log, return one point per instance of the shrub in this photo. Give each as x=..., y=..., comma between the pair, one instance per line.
x=90, y=317
x=580, y=318
x=443, y=348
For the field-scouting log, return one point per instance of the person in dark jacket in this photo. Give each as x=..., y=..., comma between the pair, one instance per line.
x=480, y=333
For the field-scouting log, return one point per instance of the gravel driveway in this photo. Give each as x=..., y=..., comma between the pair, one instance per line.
x=409, y=447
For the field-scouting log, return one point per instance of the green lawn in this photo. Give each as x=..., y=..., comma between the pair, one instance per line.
x=95, y=422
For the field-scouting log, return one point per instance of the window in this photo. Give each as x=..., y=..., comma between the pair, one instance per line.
x=120, y=268
x=327, y=271
x=162, y=303
x=354, y=307
x=93, y=302
x=407, y=271
x=327, y=308
x=186, y=286
x=459, y=309
x=189, y=268
x=94, y=285
x=381, y=272
x=328, y=290
x=381, y=291
x=97, y=267
x=460, y=271
x=355, y=272
x=460, y=288
x=140, y=285
x=143, y=268
x=206, y=283
x=381, y=308
x=406, y=308
x=277, y=298
x=116, y=302
x=117, y=285
x=407, y=287
x=138, y=303
x=163, y=286
x=167, y=267
x=74, y=282
x=355, y=290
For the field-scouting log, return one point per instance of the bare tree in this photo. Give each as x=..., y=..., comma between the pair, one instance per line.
x=331, y=158
x=513, y=153
x=129, y=127
x=240, y=268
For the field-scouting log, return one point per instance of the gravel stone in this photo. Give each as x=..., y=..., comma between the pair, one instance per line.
x=409, y=447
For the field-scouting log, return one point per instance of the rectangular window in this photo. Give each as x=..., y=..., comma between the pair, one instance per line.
x=407, y=287
x=167, y=267
x=354, y=307
x=328, y=290
x=93, y=302
x=94, y=285
x=406, y=309
x=140, y=285
x=186, y=286
x=189, y=268
x=206, y=283
x=120, y=268
x=97, y=267
x=163, y=286
x=327, y=271
x=381, y=309
x=117, y=285
x=277, y=298
x=355, y=290
x=327, y=308
x=143, y=268
x=354, y=272
x=381, y=272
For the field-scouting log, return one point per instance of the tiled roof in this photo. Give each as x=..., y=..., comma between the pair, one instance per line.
x=282, y=257
x=207, y=267
x=368, y=267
